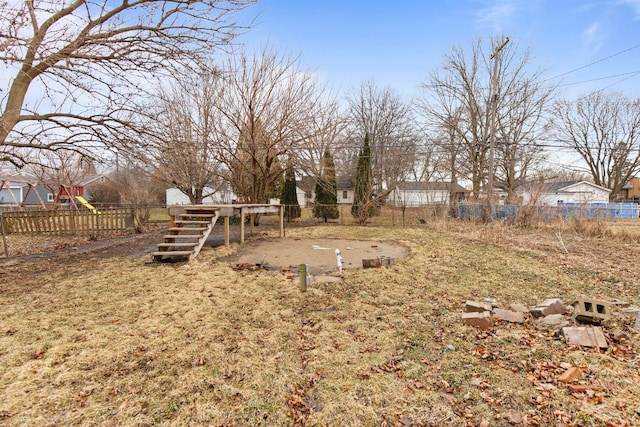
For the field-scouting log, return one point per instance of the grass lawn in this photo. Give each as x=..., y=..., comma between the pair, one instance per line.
x=109, y=342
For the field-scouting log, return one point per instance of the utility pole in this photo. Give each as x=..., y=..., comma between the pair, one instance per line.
x=492, y=142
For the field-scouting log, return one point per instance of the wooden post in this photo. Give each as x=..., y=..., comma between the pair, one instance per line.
x=281, y=213
x=302, y=272
x=4, y=236
x=242, y=216
x=226, y=231
x=252, y=220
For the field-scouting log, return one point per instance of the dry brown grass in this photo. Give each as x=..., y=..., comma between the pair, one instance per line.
x=117, y=342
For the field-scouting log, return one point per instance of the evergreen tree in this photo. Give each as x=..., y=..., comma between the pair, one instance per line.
x=363, y=201
x=326, y=202
x=289, y=198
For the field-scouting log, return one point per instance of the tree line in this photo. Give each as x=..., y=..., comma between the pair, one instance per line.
x=162, y=87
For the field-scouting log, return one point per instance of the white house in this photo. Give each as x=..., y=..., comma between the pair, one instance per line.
x=214, y=197
x=346, y=191
x=306, y=188
x=558, y=193
x=410, y=194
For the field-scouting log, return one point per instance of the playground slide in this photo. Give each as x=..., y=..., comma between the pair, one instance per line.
x=87, y=204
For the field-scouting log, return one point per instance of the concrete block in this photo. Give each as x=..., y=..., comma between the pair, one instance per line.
x=590, y=310
x=480, y=320
x=508, y=316
x=554, y=322
x=492, y=302
x=520, y=308
x=585, y=336
x=550, y=306
x=477, y=307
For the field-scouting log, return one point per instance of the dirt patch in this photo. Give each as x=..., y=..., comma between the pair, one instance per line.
x=318, y=253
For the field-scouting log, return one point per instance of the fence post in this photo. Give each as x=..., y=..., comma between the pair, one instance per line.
x=4, y=236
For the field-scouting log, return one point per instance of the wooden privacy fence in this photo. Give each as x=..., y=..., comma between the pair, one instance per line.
x=68, y=221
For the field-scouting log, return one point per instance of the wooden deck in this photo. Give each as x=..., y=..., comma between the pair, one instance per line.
x=192, y=224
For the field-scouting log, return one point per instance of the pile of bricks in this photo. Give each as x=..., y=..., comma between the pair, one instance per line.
x=580, y=322
x=481, y=314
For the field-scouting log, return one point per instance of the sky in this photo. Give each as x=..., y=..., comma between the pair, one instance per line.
x=591, y=45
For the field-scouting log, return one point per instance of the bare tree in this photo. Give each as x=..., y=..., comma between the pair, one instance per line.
x=74, y=67
x=521, y=119
x=441, y=157
x=458, y=99
x=265, y=105
x=56, y=168
x=389, y=122
x=140, y=190
x=184, y=147
x=604, y=129
x=324, y=131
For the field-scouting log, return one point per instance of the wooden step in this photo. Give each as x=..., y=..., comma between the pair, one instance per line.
x=191, y=222
x=197, y=215
x=177, y=245
x=182, y=236
x=179, y=229
x=190, y=231
x=164, y=254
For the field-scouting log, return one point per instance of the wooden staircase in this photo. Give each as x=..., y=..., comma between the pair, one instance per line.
x=188, y=234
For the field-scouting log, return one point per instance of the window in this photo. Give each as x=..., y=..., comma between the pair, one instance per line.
x=344, y=194
x=50, y=197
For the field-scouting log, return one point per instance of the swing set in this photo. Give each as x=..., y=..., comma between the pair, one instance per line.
x=67, y=196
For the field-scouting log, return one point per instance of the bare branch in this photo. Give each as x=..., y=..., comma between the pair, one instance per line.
x=87, y=58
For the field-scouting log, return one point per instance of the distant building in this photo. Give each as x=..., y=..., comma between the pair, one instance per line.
x=345, y=190
x=19, y=189
x=212, y=197
x=630, y=192
x=558, y=193
x=411, y=194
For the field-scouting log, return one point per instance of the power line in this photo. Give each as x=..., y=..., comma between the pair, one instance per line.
x=629, y=74
x=592, y=63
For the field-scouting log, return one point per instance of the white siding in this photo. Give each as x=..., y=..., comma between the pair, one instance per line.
x=348, y=200
x=411, y=198
x=177, y=197
x=581, y=193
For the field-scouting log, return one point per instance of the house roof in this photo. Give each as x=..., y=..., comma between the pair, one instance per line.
x=344, y=183
x=91, y=179
x=563, y=186
x=431, y=186
x=308, y=183
x=20, y=177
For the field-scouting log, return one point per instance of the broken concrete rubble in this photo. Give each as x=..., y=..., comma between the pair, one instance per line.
x=550, y=306
x=585, y=336
x=521, y=308
x=554, y=322
x=552, y=315
x=477, y=307
x=481, y=320
x=618, y=303
x=492, y=302
x=508, y=316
